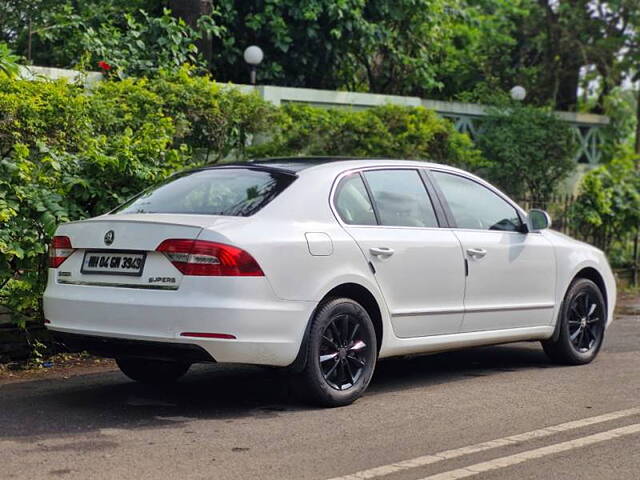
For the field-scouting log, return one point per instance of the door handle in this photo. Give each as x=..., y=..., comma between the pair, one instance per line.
x=381, y=251
x=476, y=253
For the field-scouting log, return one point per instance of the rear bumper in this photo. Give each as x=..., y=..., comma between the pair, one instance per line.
x=120, y=347
x=267, y=330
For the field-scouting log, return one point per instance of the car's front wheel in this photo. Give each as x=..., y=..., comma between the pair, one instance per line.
x=151, y=371
x=582, y=323
x=341, y=354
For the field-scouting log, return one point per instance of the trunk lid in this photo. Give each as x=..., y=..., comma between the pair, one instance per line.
x=126, y=239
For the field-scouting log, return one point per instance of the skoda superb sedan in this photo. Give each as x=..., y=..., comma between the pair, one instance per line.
x=323, y=266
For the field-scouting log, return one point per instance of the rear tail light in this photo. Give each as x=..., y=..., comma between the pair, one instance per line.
x=198, y=257
x=59, y=250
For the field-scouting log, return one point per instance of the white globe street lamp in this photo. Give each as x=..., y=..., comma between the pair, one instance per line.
x=518, y=93
x=253, y=55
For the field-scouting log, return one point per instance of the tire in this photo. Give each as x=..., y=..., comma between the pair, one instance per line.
x=582, y=320
x=341, y=354
x=154, y=372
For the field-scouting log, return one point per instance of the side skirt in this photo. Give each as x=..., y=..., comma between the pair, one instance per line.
x=441, y=343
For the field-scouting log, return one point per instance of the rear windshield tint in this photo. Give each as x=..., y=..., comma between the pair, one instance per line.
x=227, y=191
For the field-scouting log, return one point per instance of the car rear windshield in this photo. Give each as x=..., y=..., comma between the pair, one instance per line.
x=225, y=191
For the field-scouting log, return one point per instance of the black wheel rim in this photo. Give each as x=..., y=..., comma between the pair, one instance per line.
x=343, y=352
x=585, y=319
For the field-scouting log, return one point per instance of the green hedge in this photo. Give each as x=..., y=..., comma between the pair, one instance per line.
x=386, y=131
x=67, y=154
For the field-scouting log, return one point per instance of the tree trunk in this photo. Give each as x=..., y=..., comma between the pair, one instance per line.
x=569, y=80
x=190, y=11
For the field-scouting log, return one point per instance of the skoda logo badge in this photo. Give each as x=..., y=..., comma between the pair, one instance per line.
x=108, y=237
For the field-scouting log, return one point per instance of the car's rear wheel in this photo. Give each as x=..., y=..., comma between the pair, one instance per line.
x=582, y=324
x=341, y=354
x=150, y=371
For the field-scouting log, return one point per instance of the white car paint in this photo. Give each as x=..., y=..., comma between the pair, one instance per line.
x=305, y=250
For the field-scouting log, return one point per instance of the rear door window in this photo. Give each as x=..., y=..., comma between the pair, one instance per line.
x=224, y=191
x=353, y=203
x=401, y=198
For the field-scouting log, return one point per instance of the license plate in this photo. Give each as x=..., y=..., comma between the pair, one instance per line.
x=113, y=263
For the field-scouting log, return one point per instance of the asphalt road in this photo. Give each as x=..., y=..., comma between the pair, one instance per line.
x=487, y=413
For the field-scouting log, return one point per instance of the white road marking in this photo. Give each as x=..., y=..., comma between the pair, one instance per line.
x=480, y=447
x=517, y=458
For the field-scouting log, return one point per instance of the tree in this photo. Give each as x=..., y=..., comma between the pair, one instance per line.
x=588, y=33
x=49, y=32
x=553, y=47
x=191, y=11
x=529, y=150
x=376, y=45
x=487, y=52
x=147, y=44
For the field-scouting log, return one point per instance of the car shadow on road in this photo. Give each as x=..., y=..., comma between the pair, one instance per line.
x=54, y=407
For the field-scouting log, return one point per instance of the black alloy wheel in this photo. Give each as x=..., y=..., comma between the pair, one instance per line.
x=341, y=354
x=581, y=325
x=585, y=321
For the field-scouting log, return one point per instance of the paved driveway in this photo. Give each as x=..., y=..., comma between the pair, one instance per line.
x=489, y=413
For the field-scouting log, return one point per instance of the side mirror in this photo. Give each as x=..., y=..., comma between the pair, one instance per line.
x=538, y=220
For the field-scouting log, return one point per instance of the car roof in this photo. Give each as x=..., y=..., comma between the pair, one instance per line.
x=298, y=164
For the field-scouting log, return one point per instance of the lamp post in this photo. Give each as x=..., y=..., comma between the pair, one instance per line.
x=253, y=55
x=518, y=93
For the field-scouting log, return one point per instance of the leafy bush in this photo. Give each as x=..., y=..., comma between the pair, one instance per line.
x=386, y=131
x=607, y=210
x=66, y=155
x=8, y=61
x=529, y=151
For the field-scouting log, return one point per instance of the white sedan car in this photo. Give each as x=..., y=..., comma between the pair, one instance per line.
x=323, y=266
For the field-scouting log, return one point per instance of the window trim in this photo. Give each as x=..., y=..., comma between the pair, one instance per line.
x=441, y=219
x=449, y=214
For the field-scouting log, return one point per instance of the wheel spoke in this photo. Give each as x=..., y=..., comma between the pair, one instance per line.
x=341, y=374
x=357, y=346
x=332, y=369
x=586, y=305
x=330, y=341
x=345, y=330
x=359, y=362
x=593, y=320
x=351, y=375
x=591, y=310
x=574, y=310
x=336, y=333
x=327, y=357
x=353, y=334
x=581, y=338
x=575, y=334
x=588, y=337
